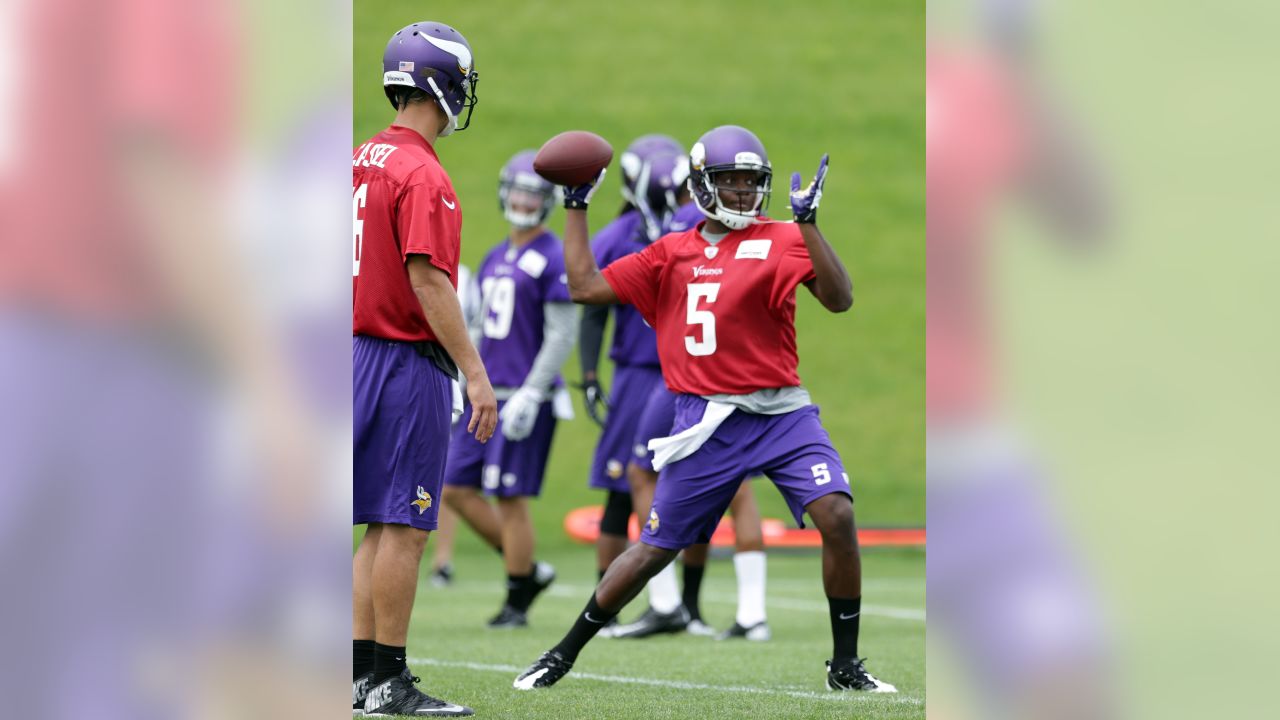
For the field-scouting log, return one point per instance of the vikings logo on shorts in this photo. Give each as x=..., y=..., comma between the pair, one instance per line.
x=424, y=500
x=614, y=468
x=653, y=520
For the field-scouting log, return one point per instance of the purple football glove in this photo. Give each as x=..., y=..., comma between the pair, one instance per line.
x=804, y=203
x=577, y=197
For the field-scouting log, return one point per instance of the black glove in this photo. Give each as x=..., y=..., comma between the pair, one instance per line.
x=596, y=400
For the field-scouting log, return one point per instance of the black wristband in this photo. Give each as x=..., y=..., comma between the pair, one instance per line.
x=574, y=204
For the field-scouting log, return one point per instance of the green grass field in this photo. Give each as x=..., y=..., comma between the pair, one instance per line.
x=823, y=76
x=675, y=676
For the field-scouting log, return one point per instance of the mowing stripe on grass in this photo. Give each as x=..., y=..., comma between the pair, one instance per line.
x=680, y=684
x=772, y=601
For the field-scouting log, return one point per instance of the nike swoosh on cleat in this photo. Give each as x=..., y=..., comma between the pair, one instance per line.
x=526, y=683
x=850, y=617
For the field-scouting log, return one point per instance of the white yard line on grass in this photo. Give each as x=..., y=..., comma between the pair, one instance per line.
x=679, y=684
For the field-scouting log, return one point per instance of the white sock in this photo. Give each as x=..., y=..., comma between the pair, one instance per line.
x=664, y=591
x=749, y=567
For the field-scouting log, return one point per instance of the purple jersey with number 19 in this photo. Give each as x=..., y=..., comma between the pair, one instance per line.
x=515, y=283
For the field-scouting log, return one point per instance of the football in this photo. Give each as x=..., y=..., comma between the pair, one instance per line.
x=573, y=157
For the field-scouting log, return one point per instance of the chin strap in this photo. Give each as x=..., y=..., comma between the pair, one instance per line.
x=444, y=105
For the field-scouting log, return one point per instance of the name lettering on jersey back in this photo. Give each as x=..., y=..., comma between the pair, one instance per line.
x=373, y=155
x=703, y=271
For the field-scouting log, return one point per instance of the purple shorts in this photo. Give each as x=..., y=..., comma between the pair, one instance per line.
x=401, y=407
x=792, y=449
x=632, y=386
x=656, y=419
x=501, y=467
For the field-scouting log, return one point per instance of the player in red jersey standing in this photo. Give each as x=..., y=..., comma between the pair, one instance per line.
x=408, y=332
x=721, y=297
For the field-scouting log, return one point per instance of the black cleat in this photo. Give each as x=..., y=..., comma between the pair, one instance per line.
x=398, y=696
x=359, y=689
x=851, y=674
x=544, y=673
x=756, y=633
x=508, y=618
x=653, y=622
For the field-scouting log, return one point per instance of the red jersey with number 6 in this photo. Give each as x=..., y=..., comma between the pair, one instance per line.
x=725, y=313
x=402, y=204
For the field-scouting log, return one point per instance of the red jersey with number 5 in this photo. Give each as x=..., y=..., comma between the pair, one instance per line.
x=402, y=204
x=725, y=313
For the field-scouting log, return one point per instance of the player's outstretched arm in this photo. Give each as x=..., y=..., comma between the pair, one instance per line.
x=440, y=304
x=831, y=283
x=586, y=285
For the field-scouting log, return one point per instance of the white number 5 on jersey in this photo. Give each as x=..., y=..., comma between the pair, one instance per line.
x=704, y=318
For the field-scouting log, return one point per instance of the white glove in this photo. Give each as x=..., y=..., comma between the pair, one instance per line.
x=520, y=413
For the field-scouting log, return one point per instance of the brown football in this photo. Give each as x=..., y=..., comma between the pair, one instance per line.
x=573, y=157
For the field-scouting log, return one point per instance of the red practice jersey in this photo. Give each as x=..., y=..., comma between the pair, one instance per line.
x=402, y=204
x=725, y=313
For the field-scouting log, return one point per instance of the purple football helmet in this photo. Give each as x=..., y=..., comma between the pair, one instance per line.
x=526, y=198
x=653, y=169
x=436, y=59
x=724, y=149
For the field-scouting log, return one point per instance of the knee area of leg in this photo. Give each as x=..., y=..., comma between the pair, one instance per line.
x=617, y=514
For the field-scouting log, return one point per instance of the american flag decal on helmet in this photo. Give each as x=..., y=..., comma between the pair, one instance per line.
x=406, y=66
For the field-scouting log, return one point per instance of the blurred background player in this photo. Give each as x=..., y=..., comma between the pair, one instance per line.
x=715, y=295
x=649, y=199
x=442, y=555
x=671, y=608
x=528, y=326
x=408, y=333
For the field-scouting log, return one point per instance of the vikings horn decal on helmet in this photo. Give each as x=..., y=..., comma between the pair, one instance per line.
x=723, y=149
x=436, y=59
x=653, y=169
x=526, y=198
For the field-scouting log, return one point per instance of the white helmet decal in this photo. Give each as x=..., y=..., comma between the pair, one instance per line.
x=456, y=49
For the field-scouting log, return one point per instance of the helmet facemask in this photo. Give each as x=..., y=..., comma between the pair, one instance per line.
x=525, y=202
x=708, y=185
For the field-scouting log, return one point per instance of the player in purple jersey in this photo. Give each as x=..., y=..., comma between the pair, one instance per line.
x=527, y=329
x=654, y=168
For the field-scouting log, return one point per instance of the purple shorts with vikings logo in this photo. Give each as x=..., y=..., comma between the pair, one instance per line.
x=656, y=419
x=792, y=449
x=632, y=386
x=502, y=467
x=401, y=407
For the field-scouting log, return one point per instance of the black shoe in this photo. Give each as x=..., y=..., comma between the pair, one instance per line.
x=398, y=696
x=850, y=674
x=757, y=633
x=543, y=575
x=442, y=576
x=653, y=622
x=359, y=689
x=544, y=673
x=508, y=618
